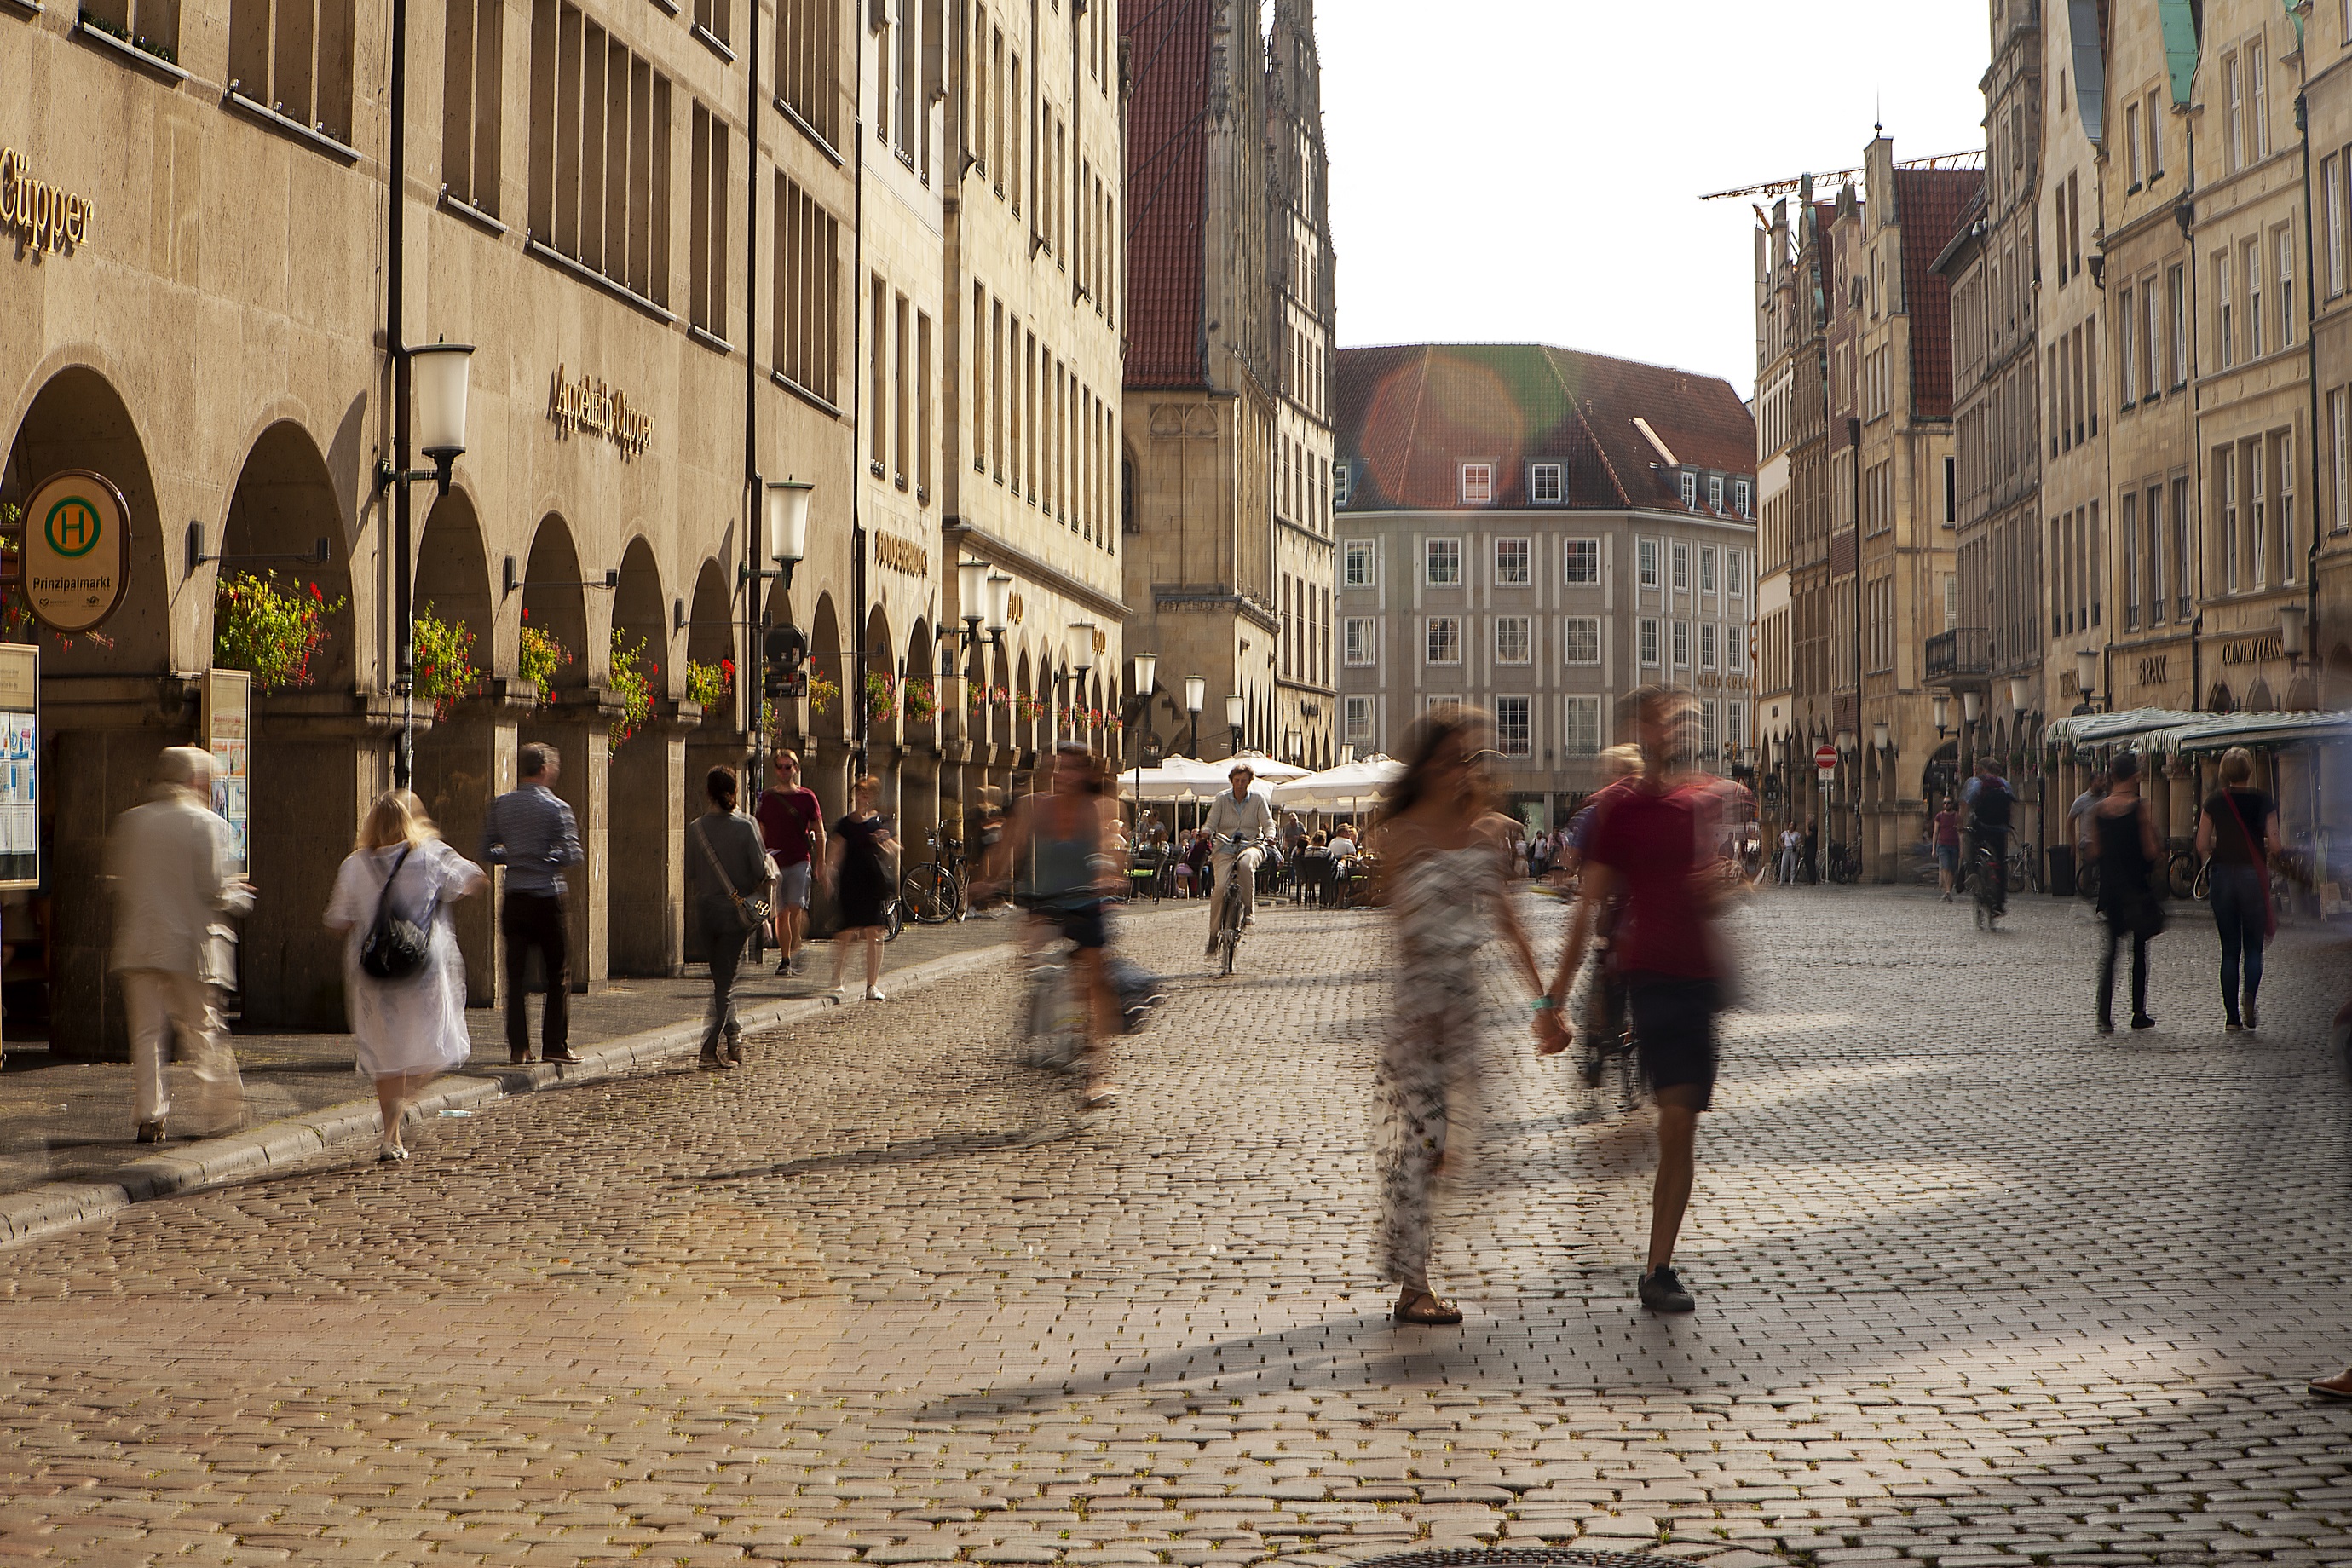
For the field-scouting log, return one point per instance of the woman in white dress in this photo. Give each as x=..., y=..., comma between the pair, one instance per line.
x=410, y=1030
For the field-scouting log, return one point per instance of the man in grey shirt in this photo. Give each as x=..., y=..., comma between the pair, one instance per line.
x=533, y=835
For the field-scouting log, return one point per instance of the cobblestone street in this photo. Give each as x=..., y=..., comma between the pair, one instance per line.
x=1976, y=1286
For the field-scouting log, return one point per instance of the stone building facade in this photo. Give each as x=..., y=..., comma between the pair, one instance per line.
x=1227, y=489
x=1538, y=532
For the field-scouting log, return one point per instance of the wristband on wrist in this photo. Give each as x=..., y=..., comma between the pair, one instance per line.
x=1546, y=1003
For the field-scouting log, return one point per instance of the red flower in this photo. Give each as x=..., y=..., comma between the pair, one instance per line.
x=316, y=594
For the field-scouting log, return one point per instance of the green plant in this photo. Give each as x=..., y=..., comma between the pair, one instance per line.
x=823, y=693
x=541, y=655
x=709, y=685
x=445, y=663
x=632, y=680
x=881, y=695
x=270, y=632
x=922, y=700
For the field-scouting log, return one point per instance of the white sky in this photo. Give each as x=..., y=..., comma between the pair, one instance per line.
x=1529, y=169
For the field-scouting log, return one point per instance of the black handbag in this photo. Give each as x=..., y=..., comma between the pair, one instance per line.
x=397, y=949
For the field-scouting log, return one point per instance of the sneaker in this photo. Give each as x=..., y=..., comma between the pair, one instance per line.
x=783, y=967
x=2250, y=1022
x=2234, y=1027
x=875, y=994
x=150, y=1133
x=839, y=996
x=2142, y=1021
x=1662, y=1291
x=2106, y=1027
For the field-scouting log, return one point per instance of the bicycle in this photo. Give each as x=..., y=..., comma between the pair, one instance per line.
x=1606, y=1059
x=2024, y=869
x=933, y=892
x=1227, y=940
x=1052, y=1016
x=1984, y=884
x=1844, y=865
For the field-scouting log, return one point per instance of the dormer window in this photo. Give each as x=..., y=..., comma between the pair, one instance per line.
x=1690, y=489
x=1547, y=484
x=1478, y=484
x=1340, y=485
x=1715, y=494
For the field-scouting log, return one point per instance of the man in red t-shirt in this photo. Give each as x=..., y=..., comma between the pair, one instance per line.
x=791, y=823
x=1653, y=847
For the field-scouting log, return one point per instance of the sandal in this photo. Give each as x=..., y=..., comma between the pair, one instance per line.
x=1427, y=1307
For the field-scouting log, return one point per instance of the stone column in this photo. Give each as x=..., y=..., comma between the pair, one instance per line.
x=462, y=764
x=578, y=728
x=653, y=800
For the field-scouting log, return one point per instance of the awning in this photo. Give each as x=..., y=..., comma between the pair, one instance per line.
x=2222, y=730
x=2108, y=728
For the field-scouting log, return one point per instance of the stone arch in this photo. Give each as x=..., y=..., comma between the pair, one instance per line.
x=77, y=420
x=283, y=504
x=2258, y=697
x=922, y=665
x=1023, y=731
x=825, y=661
x=649, y=789
x=555, y=602
x=2219, y=699
x=459, y=759
x=711, y=630
x=878, y=654
x=2337, y=691
x=453, y=574
x=639, y=612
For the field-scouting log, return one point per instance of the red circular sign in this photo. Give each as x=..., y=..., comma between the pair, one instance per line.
x=1824, y=755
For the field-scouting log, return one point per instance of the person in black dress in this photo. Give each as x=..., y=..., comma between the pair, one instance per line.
x=2236, y=832
x=2123, y=840
x=860, y=875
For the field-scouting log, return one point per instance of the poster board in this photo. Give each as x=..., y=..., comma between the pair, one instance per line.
x=227, y=735
x=20, y=766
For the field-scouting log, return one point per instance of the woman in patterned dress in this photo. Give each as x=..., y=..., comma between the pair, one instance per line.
x=1447, y=865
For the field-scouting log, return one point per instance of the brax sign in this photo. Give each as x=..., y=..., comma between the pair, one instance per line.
x=47, y=217
x=600, y=410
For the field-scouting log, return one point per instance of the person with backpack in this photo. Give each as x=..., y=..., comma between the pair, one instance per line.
x=404, y=978
x=1990, y=806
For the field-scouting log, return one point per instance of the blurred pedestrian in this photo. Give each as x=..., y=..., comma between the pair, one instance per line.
x=729, y=873
x=405, y=1031
x=861, y=882
x=2235, y=832
x=167, y=866
x=1650, y=844
x=2123, y=843
x=1944, y=833
x=792, y=826
x=1792, y=852
x=1062, y=844
x=1447, y=874
x=531, y=833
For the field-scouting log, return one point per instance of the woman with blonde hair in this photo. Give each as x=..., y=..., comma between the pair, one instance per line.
x=410, y=1030
x=2236, y=831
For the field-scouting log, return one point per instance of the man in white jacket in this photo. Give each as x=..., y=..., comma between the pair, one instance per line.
x=1237, y=812
x=167, y=868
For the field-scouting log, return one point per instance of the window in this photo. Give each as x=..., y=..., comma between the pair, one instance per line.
x=1359, y=570
x=156, y=21
x=2290, y=556
x=1445, y=640
x=1681, y=644
x=1735, y=726
x=471, y=69
x=1359, y=721
x=1741, y=496
x=1359, y=641
x=1512, y=736
x=600, y=156
x=2282, y=242
x=1682, y=567
x=2234, y=90
x=877, y=372
x=1514, y=639
x=2128, y=516
x=808, y=65
x=296, y=57
x=1735, y=649
x=1708, y=711
x=1646, y=639
x=1579, y=639
x=2225, y=336
x=1734, y=574
x=1707, y=644
x=923, y=409
x=1513, y=566
x=2331, y=212
x=2252, y=255
x=808, y=292
x=2339, y=459
x=1715, y=493
x=2155, y=555
x=1341, y=483
x=706, y=246
x=2177, y=328
x=2131, y=144
x=1582, y=557
x=1546, y=484
x=2155, y=121
x=1647, y=554
x=1442, y=562
x=1478, y=484
x=713, y=17
x=1690, y=489
x=2127, y=322
x=2258, y=134
x=1706, y=569
x=1580, y=735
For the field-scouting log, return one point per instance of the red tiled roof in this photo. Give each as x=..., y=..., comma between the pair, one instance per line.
x=1409, y=417
x=1167, y=163
x=1931, y=205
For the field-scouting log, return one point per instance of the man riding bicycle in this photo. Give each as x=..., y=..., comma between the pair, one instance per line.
x=1990, y=805
x=1238, y=821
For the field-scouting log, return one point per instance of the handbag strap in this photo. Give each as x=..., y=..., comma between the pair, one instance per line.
x=712, y=856
x=2253, y=846
x=383, y=899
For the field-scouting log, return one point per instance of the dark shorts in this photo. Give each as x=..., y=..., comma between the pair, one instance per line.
x=1673, y=1021
x=1948, y=857
x=1083, y=927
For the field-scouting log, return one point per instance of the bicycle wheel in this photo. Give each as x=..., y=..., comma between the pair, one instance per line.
x=2186, y=879
x=930, y=894
x=894, y=920
x=2086, y=881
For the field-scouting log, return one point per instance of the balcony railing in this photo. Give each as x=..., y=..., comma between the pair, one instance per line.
x=1965, y=653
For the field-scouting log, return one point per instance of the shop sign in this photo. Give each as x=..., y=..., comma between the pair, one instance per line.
x=2254, y=650
x=45, y=216
x=20, y=766
x=76, y=551
x=2154, y=668
x=1012, y=608
x=228, y=732
x=590, y=405
x=902, y=555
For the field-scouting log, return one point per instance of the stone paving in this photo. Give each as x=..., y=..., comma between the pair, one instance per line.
x=1976, y=1286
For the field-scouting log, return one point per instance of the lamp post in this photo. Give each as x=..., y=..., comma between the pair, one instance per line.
x=1081, y=663
x=1236, y=718
x=439, y=376
x=2086, y=679
x=1196, y=693
x=1138, y=697
x=783, y=539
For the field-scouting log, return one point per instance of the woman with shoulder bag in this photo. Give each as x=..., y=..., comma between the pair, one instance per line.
x=404, y=978
x=2235, y=832
x=2123, y=841
x=730, y=876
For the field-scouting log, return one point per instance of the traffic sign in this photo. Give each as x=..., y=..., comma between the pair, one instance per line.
x=1825, y=757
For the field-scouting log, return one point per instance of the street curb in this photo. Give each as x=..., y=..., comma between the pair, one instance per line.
x=56, y=1206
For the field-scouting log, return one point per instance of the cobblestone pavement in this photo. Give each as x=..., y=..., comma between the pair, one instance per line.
x=1976, y=1286
x=72, y=1121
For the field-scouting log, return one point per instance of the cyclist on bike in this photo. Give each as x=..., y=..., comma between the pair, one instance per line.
x=1990, y=805
x=1063, y=862
x=1237, y=821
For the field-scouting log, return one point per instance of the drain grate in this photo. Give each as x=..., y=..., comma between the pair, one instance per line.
x=1522, y=1557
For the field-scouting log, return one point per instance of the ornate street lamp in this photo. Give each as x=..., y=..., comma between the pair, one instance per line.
x=1236, y=718
x=1196, y=693
x=439, y=377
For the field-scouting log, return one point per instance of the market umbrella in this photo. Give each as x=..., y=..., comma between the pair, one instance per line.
x=1364, y=779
